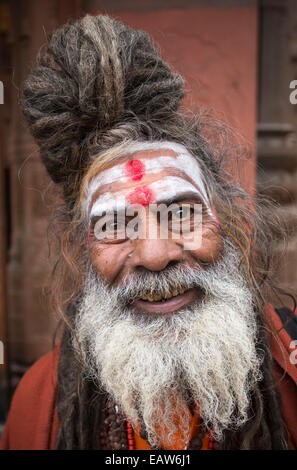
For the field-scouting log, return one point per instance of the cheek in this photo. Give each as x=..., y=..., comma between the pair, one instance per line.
x=108, y=260
x=211, y=245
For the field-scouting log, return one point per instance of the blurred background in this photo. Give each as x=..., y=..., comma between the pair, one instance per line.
x=237, y=57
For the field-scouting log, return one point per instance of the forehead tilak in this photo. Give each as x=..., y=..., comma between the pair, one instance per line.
x=126, y=171
x=167, y=188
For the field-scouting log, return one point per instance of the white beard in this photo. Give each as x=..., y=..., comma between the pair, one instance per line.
x=207, y=350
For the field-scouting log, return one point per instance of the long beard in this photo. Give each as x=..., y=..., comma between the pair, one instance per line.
x=152, y=364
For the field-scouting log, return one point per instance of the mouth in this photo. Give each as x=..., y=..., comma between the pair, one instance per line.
x=172, y=302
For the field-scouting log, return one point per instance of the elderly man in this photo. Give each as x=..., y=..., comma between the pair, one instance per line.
x=169, y=340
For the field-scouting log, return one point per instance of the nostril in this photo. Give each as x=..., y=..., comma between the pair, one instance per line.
x=171, y=264
x=144, y=270
x=156, y=255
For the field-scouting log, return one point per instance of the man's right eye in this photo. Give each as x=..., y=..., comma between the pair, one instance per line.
x=110, y=229
x=113, y=226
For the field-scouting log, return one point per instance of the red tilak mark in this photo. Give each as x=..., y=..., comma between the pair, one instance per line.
x=135, y=169
x=142, y=195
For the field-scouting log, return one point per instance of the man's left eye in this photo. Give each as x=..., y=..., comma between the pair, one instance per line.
x=181, y=212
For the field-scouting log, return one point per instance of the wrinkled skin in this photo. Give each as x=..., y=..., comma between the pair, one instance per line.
x=115, y=260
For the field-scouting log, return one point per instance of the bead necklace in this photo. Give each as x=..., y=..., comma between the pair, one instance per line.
x=113, y=434
x=117, y=432
x=130, y=436
x=195, y=443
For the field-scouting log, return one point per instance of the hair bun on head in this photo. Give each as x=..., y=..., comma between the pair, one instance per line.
x=95, y=73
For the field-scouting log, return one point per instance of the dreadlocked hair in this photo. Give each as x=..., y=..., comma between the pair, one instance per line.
x=95, y=74
x=98, y=87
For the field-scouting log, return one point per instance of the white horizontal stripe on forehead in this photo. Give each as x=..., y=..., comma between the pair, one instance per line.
x=169, y=187
x=184, y=161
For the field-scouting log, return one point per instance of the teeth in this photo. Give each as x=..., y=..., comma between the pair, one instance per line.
x=158, y=297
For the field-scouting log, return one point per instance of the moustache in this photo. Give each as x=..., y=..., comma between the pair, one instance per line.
x=155, y=286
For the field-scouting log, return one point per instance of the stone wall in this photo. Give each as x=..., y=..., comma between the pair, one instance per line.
x=277, y=128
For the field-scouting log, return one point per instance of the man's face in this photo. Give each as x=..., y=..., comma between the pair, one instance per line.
x=144, y=180
x=159, y=317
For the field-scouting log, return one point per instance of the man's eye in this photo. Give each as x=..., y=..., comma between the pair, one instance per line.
x=178, y=218
x=112, y=226
x=110, y=230
x=186, y=218
x=181, y=212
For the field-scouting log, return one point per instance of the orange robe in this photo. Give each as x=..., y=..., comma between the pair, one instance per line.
x=32, y=421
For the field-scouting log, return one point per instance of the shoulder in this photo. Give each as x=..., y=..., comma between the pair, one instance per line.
x=41, y=375
x=32, y=411
x=282, y=329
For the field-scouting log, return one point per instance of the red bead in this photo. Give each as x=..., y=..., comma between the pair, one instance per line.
x=130, y=435
x=210, y=442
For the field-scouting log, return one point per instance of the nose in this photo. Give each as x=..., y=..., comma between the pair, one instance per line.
x=156, y=254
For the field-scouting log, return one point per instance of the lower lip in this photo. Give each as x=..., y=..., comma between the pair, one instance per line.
x=170, y=305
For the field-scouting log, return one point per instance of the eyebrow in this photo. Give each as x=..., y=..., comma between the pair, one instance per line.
x=107, y=212
x=184, y=196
